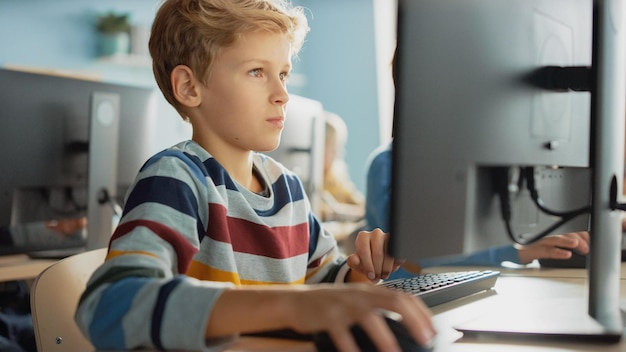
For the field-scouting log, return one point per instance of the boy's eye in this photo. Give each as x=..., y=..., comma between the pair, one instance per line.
x=258, y=72
x=255, y=73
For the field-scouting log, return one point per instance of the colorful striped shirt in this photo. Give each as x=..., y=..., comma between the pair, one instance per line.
x=188, y=232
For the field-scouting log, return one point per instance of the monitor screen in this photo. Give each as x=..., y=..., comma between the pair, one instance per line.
x=69, y=143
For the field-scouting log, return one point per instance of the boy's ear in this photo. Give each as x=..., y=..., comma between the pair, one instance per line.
x=185, y=86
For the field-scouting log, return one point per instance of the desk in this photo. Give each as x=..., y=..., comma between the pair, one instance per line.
x=22, y=267
x=517, y=291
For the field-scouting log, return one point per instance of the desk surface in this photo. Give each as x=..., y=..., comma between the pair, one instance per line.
x=534, y=295
x=21, y=267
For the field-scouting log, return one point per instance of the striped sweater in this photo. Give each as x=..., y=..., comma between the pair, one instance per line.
x=188, y=232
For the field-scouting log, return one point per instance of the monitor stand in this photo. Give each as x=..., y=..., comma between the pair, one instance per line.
x=546, y=319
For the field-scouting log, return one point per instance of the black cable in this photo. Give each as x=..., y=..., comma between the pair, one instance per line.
x=529, y=175
x=538, y=236
x=500, y=183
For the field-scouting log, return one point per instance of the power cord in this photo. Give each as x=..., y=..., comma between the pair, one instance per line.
x=501, y=185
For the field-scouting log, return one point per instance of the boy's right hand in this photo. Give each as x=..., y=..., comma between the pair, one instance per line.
x=336, y=308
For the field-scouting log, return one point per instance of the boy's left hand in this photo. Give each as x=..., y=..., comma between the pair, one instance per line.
x=371, y=258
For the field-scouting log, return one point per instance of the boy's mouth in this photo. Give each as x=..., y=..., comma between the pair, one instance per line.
x=277, y=121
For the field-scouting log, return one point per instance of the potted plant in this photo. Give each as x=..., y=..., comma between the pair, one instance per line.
x=114, y=30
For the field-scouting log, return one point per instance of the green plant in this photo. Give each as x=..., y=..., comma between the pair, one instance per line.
x=113, y=23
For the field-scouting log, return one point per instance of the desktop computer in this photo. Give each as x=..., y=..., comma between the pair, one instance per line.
x=72, y=145
x=509, y=126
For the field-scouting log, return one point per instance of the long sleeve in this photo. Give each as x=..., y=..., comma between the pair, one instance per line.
x=378, y=192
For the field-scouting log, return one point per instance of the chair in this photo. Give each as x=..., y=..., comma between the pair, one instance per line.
x=54, y=296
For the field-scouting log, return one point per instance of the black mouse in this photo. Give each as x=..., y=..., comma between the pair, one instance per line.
x=324, y=343
x=577, y=261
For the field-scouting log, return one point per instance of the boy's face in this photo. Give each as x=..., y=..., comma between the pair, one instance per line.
x=243, y=102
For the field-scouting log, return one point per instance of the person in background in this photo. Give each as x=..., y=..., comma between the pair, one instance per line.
x=341, y=200
x=342, y=206
x=378, y=200
x=216, y=239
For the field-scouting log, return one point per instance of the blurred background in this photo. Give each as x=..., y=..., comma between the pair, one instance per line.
x=344, y=63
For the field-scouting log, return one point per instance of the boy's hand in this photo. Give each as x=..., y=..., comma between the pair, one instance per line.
x=336, y=308
x=555, y=247
x=371, y=257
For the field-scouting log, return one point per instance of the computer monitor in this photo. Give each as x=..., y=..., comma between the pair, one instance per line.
x=492, y=95
x=71, y=147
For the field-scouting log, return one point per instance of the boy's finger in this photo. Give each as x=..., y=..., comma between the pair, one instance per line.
x=364, y=251
x=379, y=256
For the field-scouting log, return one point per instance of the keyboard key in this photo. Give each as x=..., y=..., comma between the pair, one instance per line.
x=439, y=288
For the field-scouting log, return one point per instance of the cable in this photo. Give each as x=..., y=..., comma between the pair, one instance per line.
x=500, y=183
x=538, y=236
x=529, y=175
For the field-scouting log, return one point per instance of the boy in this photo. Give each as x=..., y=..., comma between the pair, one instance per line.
x=209, y=224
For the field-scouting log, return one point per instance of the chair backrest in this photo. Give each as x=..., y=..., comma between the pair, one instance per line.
x=54, y=296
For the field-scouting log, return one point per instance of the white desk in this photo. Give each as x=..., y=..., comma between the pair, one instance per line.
x=22, y=267
x=520, y=291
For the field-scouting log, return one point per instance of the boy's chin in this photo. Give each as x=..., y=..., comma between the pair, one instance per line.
x=268, y=148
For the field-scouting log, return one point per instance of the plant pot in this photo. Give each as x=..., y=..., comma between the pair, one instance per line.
x=114, y=43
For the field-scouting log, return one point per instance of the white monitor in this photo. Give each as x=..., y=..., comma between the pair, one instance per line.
x=68, y=141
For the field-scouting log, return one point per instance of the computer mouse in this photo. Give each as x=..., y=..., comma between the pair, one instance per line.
x=577, y=260
x=324, y=343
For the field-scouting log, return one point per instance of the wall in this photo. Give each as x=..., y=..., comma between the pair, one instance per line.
x=60, y=34
x=337, y=64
